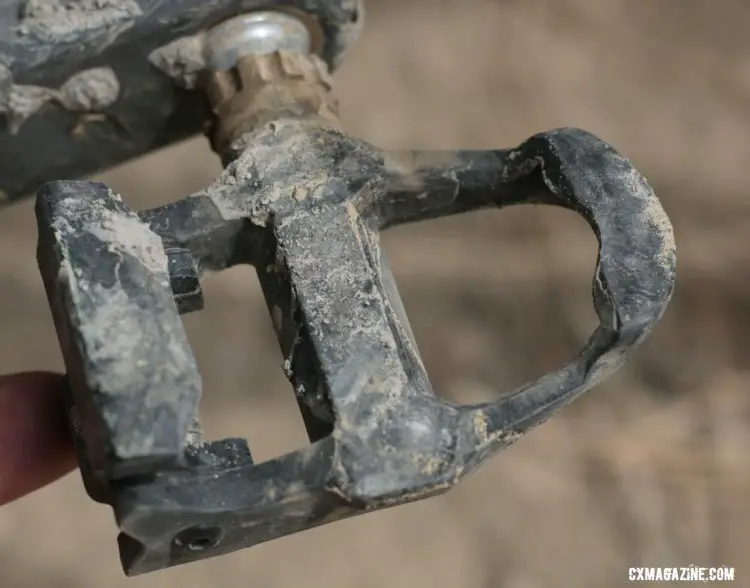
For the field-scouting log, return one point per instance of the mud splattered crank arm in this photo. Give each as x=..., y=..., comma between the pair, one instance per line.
x=83, y=84
x=304, y=204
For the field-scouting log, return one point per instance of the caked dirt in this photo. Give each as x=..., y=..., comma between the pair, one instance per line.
x=651, y=468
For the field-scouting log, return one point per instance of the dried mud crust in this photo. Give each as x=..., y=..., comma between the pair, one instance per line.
x=89, y=92
x=47, y=24
x=133, y=379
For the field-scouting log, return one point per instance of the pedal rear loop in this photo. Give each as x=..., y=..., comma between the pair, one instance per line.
x=635, y=271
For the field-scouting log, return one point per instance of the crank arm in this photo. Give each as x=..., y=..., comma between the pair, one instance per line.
x=304, y=204
x=87, y=85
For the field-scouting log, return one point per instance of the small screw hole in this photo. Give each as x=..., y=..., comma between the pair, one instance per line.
x=198, y=539
x=199, y=544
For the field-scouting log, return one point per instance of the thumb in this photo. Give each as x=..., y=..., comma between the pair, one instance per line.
x=35, y=445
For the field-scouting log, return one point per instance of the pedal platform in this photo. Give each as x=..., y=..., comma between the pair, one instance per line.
x=304, y=203
x=117, y=281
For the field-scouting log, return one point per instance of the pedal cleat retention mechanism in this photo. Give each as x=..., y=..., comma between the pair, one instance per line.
x=304, y=204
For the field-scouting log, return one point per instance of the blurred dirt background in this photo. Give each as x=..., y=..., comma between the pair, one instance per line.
x=652, y=468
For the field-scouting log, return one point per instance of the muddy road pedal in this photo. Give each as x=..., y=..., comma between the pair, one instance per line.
x=305, y=203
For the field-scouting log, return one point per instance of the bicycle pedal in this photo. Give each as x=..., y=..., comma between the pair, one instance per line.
x=304, y=204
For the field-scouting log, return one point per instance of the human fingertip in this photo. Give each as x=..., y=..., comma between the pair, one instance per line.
x=35, y=443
